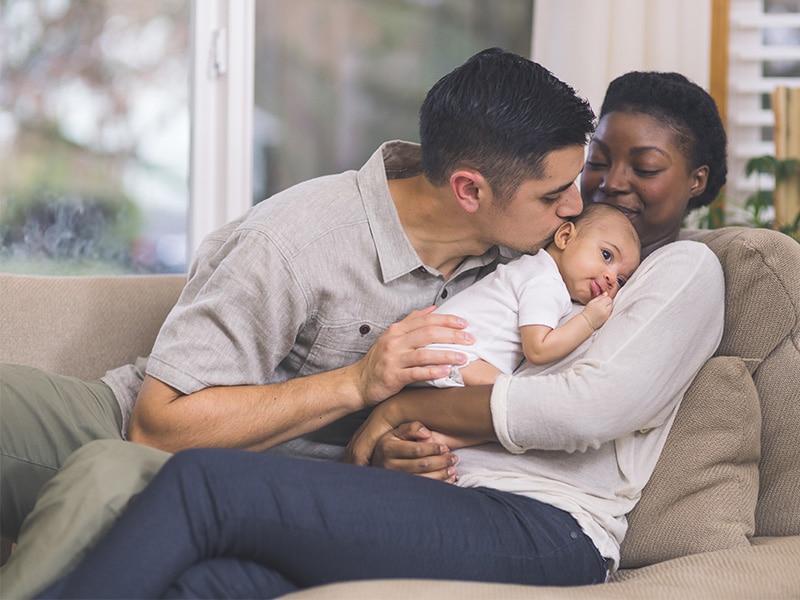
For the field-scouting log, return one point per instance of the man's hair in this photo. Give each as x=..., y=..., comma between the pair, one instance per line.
x=687, y=109
x=501, y=115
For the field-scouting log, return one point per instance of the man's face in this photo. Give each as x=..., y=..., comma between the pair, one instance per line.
x=527, y=221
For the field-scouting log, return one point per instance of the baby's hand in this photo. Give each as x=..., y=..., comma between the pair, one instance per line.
x=598, y=310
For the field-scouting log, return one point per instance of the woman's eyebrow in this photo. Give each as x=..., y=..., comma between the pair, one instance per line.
x=641, y=149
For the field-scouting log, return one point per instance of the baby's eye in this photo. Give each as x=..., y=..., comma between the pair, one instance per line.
x=606, y=255
x=620, y=281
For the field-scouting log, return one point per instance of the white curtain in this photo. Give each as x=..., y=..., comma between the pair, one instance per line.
x=589, y=42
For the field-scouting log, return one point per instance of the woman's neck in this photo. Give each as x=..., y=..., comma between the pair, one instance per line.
x=663, y=241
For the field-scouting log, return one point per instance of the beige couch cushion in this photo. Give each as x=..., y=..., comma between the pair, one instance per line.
x=702, y=495
x=762, y=325
x=83, y=326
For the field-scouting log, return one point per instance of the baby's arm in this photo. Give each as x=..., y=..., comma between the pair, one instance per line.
x=543, y=344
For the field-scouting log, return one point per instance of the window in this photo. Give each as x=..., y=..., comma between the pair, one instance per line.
x=94, y=136
x=764, y=53
x=96, y=117
x=336, y=79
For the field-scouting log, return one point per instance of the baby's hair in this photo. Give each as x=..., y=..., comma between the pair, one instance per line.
x=594, y=214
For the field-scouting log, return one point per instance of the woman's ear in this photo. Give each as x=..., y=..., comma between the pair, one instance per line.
x=470, y=189
x=564, y=234
x=699, y=181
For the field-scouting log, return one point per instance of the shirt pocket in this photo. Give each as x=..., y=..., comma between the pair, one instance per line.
x=341, y=344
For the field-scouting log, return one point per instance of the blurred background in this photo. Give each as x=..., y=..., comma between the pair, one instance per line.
x=106, y=160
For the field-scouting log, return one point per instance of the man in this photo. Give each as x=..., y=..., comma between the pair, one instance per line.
x=311, y=307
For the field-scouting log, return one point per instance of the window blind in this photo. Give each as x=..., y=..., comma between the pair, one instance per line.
x=764, y=53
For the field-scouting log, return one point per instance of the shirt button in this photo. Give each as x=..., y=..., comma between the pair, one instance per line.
x=364, y=329
x=423, y=270
x=444, y=293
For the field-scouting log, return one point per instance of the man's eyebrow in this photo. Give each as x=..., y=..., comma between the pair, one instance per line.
x=563, y=188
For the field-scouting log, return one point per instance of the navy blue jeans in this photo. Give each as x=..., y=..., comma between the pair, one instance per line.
x=234, y=524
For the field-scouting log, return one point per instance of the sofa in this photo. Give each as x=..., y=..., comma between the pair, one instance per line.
x=719, y=518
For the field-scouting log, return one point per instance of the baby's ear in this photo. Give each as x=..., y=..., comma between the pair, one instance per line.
x=564, y=234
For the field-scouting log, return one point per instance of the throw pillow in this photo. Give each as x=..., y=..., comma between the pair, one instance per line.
x=703, y=492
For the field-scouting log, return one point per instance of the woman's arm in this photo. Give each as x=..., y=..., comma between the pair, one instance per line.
x=667, y=322
x=461, y=413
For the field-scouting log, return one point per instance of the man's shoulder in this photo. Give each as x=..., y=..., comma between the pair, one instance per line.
x=308, y=210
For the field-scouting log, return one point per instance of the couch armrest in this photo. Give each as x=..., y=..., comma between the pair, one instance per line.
x=82, y=326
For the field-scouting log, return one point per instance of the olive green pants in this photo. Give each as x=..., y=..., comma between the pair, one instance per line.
x=43, y=419
x=74, y=510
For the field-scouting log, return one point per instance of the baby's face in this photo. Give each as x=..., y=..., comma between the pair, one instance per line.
x=599, y=259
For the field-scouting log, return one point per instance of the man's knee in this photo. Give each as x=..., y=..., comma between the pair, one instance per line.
x=111, y=469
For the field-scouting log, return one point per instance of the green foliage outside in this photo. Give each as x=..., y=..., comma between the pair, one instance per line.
x=757, y=207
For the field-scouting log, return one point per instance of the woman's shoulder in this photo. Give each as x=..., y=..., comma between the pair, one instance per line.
x=687, y=252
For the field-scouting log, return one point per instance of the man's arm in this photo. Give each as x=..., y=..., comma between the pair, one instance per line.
x=260, y=416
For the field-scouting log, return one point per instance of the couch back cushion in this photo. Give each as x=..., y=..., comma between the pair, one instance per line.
x=762, y=327
x=82, y=326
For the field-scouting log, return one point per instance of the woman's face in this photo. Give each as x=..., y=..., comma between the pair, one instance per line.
x=634, y=163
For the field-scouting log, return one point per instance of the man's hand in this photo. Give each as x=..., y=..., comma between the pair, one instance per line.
x=410, y=448
x=399, y=357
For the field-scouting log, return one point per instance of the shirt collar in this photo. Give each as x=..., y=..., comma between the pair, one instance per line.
x=396, y=255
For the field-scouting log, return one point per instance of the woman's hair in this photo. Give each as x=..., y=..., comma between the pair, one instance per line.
x=687, y=109
x=501, y=115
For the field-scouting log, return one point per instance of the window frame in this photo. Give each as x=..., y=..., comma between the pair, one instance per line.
x=221, y=115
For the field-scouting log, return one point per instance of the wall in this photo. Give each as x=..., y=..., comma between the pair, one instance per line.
x=589, y=42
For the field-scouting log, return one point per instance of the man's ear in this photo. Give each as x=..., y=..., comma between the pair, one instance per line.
x=470, y=189
x=699, y=181
x=564, y=234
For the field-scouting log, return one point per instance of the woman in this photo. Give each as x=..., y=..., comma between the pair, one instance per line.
x=577, y=440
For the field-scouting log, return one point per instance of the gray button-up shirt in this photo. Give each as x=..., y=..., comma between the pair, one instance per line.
x=304, y=283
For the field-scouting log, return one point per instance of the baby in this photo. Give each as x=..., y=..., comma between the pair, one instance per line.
x=514, y=311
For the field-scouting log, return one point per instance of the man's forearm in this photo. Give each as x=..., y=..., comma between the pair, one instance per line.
x=247, y=417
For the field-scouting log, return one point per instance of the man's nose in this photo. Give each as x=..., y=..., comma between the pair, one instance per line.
x=571, y=204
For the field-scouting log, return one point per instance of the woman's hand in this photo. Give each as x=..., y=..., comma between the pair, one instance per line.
x=362, y=445
x=399, y=356
x=394, y=437
x=407, y=447
x=413, y=448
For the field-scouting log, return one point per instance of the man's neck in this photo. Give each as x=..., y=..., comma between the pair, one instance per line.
x=440, y=231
